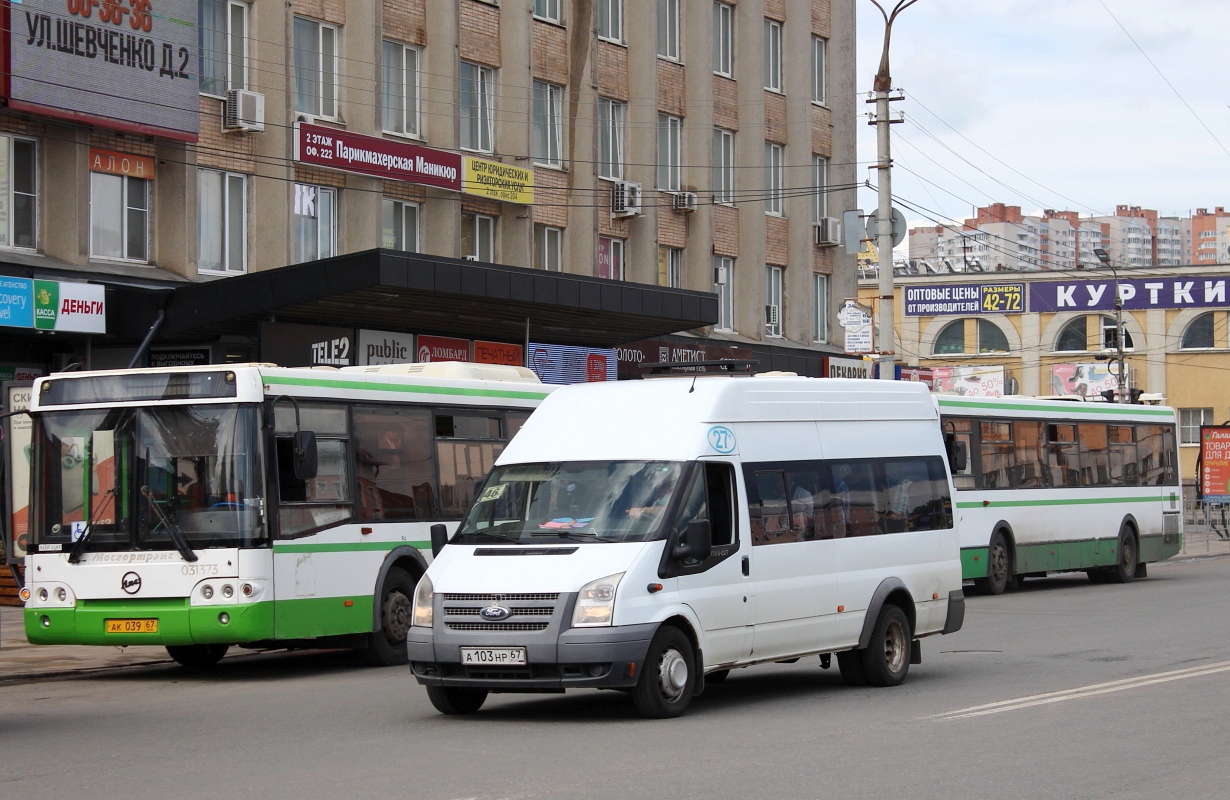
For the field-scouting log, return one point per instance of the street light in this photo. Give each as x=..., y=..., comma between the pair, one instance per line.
x=1104, y=257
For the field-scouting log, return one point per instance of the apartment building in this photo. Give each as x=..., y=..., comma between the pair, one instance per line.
x=695, y=154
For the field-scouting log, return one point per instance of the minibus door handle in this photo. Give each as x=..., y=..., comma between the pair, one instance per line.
x=747, y=566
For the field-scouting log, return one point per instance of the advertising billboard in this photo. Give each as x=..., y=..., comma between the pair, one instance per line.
x=442, y=348
x=290, y=345
x=1138, y=293
x=130, y=66
x=971, y=381
x=380, y=158
x=557, y=363
x=934, y=300
x=1215, y=463
x=1084, y=380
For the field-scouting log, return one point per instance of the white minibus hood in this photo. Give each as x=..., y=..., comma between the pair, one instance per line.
x=554, y=567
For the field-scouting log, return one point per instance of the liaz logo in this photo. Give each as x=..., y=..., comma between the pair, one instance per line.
x=131, y=582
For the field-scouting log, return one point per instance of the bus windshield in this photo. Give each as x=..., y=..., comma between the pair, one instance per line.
x=586, y=501
x=142, y=478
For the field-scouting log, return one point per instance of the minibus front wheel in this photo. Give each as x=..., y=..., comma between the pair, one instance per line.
x=668, y=679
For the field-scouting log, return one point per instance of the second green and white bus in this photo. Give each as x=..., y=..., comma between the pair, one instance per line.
x=1054, y=485
x=204, y=507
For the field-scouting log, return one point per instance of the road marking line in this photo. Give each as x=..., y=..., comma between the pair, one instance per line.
x=1084, y=691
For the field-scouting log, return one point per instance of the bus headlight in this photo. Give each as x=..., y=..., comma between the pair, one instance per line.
x=596, y=602
x=424, y=597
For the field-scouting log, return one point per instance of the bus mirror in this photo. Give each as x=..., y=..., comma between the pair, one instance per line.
x=303, y=447
x=958, y=456
x=439, y=538
x=697, y=541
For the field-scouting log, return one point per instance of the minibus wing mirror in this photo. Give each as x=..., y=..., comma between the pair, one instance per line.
x=958, y=456
x=303, y=448
x=439, y=538
x=697, y=543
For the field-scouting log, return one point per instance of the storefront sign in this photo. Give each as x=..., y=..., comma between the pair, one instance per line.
x=179, y=356
x=289, y=345
x=499, y=353
x=933, y=300
x=1084, y=380
x=16, y=302
x=838, y=367
x=498, y=181
x=380, y=158
x=385, y=347
x=1215, y=463
x=980, y=381
x=10, y=373
x=1137, y=293
x=442, y=348
x=658, y=351
x=915, y=375
x=53, y=305
x=126, y=65
x=556, y=363
x=126, y=164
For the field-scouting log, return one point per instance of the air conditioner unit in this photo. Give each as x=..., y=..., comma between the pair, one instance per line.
x=683, y=202
x=828, y=231
x=770, y=315
x=625, y=199
x=244, y=111
x=721, y=275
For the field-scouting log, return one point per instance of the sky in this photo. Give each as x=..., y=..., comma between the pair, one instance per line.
x=1050, y=104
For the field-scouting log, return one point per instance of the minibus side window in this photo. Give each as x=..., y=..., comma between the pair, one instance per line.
x=854, y=504
x=918, y=498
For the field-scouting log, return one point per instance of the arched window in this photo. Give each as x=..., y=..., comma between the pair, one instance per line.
x=1073, y=336
x=1199, y=333
x=990, y=338
x=951, y=339
x=1109, y=338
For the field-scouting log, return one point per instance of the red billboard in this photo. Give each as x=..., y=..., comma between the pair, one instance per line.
x=498, y=353
x=380, y=158
x=1215, y=463
x=442, y=348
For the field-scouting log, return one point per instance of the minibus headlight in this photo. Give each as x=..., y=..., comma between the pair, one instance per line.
x=596, y=602
x=424, y=596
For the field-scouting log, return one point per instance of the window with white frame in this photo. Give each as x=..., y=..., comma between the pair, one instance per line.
x=119, y=217
x=1190, y=420
x=399, y=225
x=723, y=39
x=222, y=33
x=314, y=222
x=724, y=288
x=773, y=301
x=668, y=29
x=610, y=258
x=819, y=70
x=19, y=192
x=820, y=307
x=548, y=10
x=670, y=144
x=773, y=177
x=478, y=237
x=399, y=88
x=316, y=46
x=1110, y=335
x=548, y=124
x=549, y=248
x=773, y=55
x=611, y=20
x=820, y=184
x=670, y=267
x=222, y=221
x=723, y=166
x=611, y=138
x=476, y=106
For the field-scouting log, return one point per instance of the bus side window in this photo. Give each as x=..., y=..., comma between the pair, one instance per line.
x=325, y=500
x=395, y=461
x=1031, y=471
x=963, y=429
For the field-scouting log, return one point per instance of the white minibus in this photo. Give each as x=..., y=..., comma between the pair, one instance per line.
x=652, y=535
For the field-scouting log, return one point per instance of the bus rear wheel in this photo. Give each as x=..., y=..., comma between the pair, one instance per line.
x=1124, y=570
x=999, y=567
x=197, y=656
x=387, y=646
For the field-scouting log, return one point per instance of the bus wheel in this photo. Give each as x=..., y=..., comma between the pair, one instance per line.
x=1124, y=570
x=887, y=657
x=456, y=699
x=999, y=567
x=197, y=656
x=387, y=646
x=667, y=682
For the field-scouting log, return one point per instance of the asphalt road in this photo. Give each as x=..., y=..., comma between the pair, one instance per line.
x=1142, y=674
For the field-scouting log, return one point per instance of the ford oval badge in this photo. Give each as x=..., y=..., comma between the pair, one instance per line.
x=495, y=613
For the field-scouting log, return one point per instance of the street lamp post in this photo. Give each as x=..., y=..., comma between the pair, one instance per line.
x=1104, y=257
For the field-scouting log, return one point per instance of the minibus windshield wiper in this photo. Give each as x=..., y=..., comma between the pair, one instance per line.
x=499, y=537
x=581, y=536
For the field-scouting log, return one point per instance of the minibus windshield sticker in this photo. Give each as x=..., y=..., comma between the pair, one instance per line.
x=722, y=439
x=492, y=493
x=566, y=522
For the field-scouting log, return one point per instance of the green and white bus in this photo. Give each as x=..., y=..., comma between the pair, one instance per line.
x=204, y=507
x=1055, y=485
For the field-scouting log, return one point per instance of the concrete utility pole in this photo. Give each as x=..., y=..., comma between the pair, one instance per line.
x=1120, y=365
x=884, y=213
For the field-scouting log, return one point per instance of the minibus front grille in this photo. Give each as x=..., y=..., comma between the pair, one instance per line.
x=497, y=626
x=517, y=611
x=500, y=598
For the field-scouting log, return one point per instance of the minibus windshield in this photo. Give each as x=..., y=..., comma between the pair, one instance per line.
x=581, y=501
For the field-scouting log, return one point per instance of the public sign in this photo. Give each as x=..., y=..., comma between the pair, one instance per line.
x=897, y=220
x=857, y=323
x=1215, y=463
x=380, y=158
x=160, y=357
x=1138, y=293
x=934, y=300
x=129, y=66
x=498, y=181
x=53, y=305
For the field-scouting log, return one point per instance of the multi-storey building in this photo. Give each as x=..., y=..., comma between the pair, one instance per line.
x=1210, y=236
x=696, y=154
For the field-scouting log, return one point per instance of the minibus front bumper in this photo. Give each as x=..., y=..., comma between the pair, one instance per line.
x=578, y=658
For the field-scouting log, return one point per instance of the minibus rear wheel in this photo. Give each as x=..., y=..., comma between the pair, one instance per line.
x=668, y=679
x=887, y=657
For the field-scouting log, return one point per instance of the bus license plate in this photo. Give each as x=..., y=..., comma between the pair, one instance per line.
x=493, y=656
x=131, y=625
